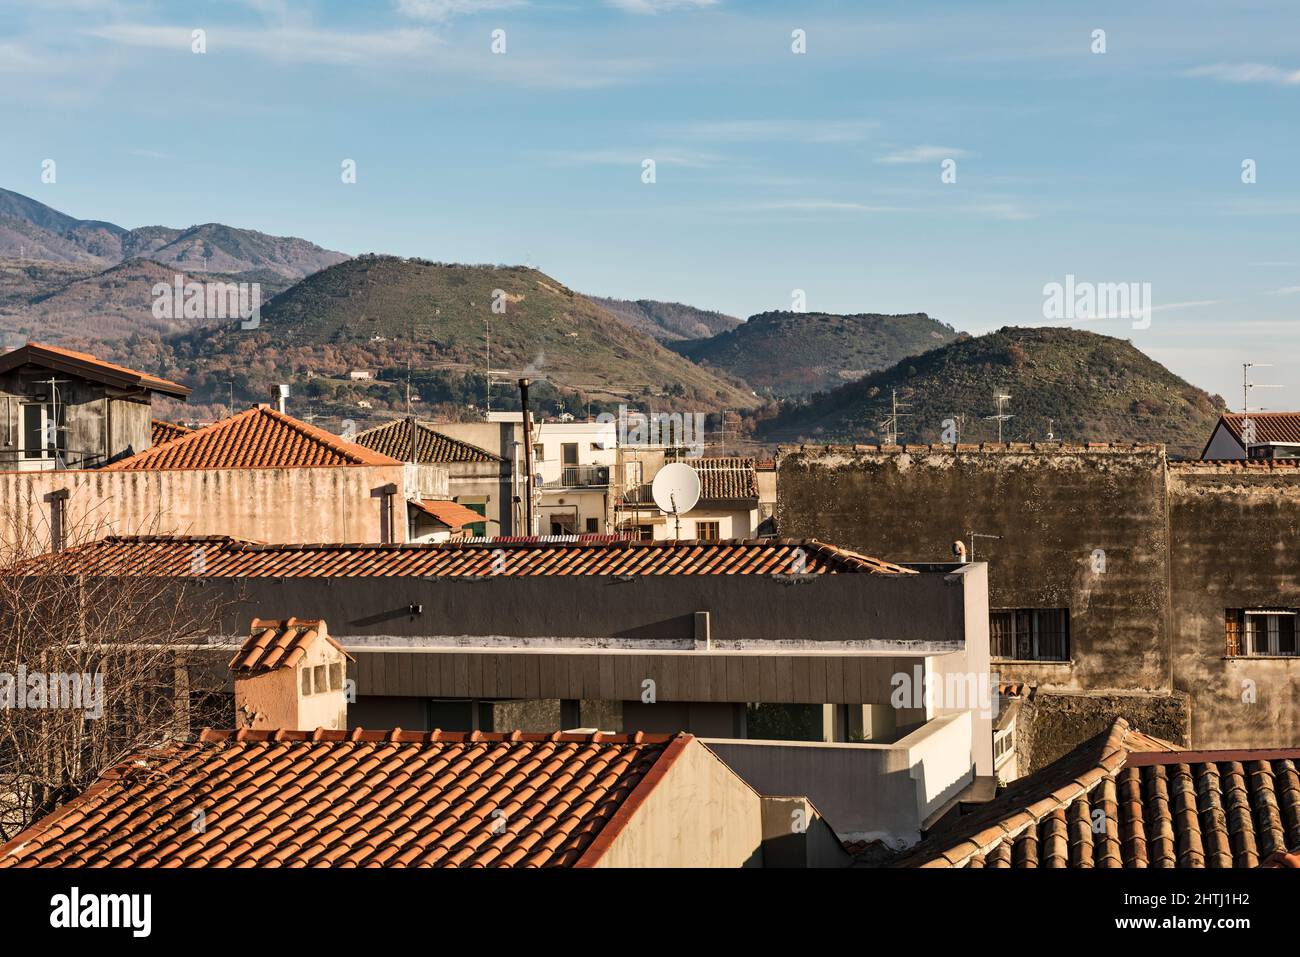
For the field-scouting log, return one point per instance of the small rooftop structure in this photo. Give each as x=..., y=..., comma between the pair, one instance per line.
x=85, y=366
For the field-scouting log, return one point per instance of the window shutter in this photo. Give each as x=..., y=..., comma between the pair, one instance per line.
x=1232, y=632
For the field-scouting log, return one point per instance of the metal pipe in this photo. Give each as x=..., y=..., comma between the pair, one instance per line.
x=528, y=459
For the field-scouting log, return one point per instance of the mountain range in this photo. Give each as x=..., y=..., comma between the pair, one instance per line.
x=441, y=327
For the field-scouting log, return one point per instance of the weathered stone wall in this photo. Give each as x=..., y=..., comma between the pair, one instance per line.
x=1050, y=725
x=1235, y=530
x=1182, y=543
x=1059, y=511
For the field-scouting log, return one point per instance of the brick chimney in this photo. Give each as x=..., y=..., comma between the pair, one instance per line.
x=290, y=674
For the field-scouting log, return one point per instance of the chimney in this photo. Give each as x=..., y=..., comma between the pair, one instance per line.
x=284, y=396
x=291, y=675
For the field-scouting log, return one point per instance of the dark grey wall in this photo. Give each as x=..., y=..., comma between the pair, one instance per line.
x=815, y=609
x=100, y=429
x=1052, y=508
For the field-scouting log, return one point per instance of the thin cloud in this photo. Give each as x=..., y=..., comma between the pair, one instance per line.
x=1285, y=291
x=622, y=157
x=1247, y=73
x=659, y=6
x=809, y=131
x=924, y=154
x=439, y=10
x=297, y=43
x=1190, y=304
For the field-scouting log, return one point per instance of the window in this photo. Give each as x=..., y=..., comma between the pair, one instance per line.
x=1262, y=632
x=306, y=681
x=336, y=676
x=708, y=531
x=1004, y=745
x=593, y=526
x=1030, y=634
x=568, y=453
x=41, y=436
x=319, y=680
x=645, y=533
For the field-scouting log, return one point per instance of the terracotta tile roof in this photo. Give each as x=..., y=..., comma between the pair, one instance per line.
x=395, y=440
x=279, y=643
x=259, y=437
x=1269, y=426
x=356, y=799
x=88, y=367
x=174, y=556
x=166, y=431
x=1159, y=807
x=451, y=514
x=725, y=478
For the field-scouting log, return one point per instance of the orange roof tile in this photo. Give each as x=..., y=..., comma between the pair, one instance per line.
x=356, y=799
x=1269, y=426
x=174, y=556
x=451, y=514
x=725, y=479
x=166, y=431
x=1160, y=806
x=259, y=437
x=396, y=439
x=275, y=643
x=88, y=367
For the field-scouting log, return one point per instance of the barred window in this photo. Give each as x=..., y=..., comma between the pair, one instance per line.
x=1030, y=634
x=1260, y=632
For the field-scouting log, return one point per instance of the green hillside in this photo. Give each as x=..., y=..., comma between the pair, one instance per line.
x=379, y=312
x=1083, y=386
x=668, y=321
x=786, y=354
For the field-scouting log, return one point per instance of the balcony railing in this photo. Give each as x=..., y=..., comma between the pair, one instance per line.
x=581, y=476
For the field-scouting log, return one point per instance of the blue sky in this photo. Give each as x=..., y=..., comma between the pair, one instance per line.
x=774, y=171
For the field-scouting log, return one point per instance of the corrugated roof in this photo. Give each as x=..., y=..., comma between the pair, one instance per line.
x=220, y=557
x=1159, y=806
x=396, y=439
x=259, y=437
x=279, y=643
x=166, y=431
x=88, y=367
x=356, y=799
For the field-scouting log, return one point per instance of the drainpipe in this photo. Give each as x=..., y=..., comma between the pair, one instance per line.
x=528, y=459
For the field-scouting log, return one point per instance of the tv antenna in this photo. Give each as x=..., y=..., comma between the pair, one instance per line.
x=676, y=490
x=974, y=535
x=1247, y=426
x=1001, y=398
x=890, y=424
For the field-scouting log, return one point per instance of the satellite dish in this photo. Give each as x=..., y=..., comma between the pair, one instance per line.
x=676, y=489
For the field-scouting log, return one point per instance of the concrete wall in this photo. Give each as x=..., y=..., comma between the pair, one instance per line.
x=1053, y=508
x=324, y=504
x=1235, y=529
x=488, y=483
x=699, y=814
x=866, y=791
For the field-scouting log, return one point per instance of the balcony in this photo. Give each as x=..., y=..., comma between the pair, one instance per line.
x=581, y=476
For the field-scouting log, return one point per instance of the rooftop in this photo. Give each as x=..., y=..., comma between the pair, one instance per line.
x=224, y=557
x=259, y=437
x=87, y=366
x=356, y=799
x=1282, y=427
x=725, y=478
x=397, y=438
x=166, y=431
x=279, y=643
x=1124, y=799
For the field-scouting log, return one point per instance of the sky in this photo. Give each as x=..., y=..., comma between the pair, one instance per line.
x=1112, y=157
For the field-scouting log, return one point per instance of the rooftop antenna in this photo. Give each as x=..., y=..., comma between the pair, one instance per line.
x=1001, y=398
x=676, y=490
x=487, y=388
x=890, y=424
x=1050, y=435
x=1247, y=426
x=974, y=535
